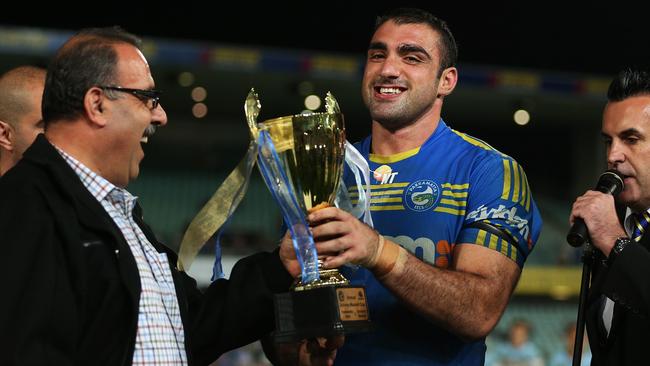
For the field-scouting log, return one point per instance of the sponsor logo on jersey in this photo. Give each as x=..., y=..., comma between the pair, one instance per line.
x=509, y=215
x=438, y=254
x=422, y=195
x=384, y=174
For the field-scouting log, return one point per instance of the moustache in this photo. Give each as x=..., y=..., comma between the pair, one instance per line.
x=149, y=131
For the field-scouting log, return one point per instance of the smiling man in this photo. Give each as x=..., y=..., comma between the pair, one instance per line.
x=457, y=217
x=619, y=300
x=85, y=282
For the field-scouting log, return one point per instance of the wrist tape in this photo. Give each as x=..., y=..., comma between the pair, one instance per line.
x=389, y=253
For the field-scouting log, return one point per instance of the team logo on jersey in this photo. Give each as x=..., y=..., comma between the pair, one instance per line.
x=384, y=174
x=422, y=195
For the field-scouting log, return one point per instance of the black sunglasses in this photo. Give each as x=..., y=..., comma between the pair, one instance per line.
x=151, y=97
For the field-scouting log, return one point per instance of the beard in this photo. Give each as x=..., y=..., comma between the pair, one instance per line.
x=406, y=110
x=401, y=113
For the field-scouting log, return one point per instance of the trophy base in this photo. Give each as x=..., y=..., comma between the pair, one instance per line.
x=320, y=312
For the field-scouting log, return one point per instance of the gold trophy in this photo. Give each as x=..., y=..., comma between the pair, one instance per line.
x=301, y=159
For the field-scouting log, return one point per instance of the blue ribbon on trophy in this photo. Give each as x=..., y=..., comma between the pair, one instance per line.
x=278, y=182
x=267, y=140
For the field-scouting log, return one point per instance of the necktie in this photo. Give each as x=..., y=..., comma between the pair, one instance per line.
x=640, y=223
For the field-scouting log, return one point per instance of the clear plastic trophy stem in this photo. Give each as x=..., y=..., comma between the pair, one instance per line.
x=301, y=159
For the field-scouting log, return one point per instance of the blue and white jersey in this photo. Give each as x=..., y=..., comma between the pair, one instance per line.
x=426, y=199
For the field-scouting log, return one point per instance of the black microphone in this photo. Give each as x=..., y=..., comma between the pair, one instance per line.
x=609, y=182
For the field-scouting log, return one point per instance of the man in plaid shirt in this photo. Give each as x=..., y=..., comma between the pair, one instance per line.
x=85, y=281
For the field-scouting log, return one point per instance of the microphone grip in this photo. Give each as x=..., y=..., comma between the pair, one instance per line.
x=578, y=234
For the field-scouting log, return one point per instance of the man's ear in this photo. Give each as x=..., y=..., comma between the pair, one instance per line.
x=6, y=136
x=94, y=101
x=447, y=81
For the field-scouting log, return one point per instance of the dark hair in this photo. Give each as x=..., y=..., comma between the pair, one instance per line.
x=448, y=47
x=85, y=60
x=629, y=82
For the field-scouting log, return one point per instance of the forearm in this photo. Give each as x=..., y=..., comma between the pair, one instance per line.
x=467, y=299
x=466, y=304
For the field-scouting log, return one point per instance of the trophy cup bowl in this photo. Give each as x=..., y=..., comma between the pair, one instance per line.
x=311, y=151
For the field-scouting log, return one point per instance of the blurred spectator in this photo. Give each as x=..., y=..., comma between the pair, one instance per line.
x=517, y=351
x=21, y=90
x=565, y=357
x=250, y=355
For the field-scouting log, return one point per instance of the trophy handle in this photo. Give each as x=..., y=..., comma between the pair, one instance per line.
x=252, y=108
x=331, y=105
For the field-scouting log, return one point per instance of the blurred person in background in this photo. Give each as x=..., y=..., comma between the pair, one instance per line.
x=21, y=90
x=517, y=350
x=564, y=356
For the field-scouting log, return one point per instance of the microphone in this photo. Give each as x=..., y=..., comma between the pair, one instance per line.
x=610, y=182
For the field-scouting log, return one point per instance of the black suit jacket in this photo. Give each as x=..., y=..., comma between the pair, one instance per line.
x=627, y=283
x=71, y=286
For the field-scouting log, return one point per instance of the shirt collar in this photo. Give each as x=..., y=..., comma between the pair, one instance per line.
x=98, y=186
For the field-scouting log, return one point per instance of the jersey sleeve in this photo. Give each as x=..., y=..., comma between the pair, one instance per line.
x=499, y=195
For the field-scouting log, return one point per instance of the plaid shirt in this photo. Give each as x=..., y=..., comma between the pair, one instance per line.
x=160, y=338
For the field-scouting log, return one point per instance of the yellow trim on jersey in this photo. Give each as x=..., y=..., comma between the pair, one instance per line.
x=458, y=198
x=387, y=159
x=383, y=200
x=504, y=247
x=387, y=192
x=494, y=240
x=524, y=186
x=480, y=237
x=378, y=189
x=455, y=186
x=506, y=180
x=353, y=188
x=528, y=196
x=474, y=141
x=454, y=194
x=515, y=182
x=525, y=195
x=515, y=178
x=453, y=203
x=387, y=208
x=449, y=211
x=513, y=253
x=525, y=201
x=391, y=185
x=378, y=193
